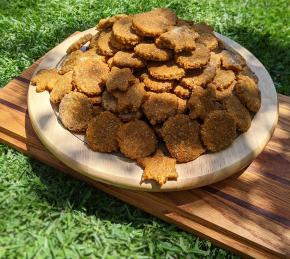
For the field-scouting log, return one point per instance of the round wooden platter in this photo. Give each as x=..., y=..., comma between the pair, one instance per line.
x=116, y=170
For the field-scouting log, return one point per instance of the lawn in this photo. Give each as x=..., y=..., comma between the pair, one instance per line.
x=45, y=214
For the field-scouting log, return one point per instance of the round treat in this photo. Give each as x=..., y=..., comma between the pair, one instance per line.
x=198, y=77
x=128, y=59
x=239, y=112
x=70, y=61
x=123, y=32
x=75, y=111
x=178, y=38
x=193, y=59
x=159, y=107
x=218, y=131
x=90, y=75
x=209, y=40
x=120, y=79
x=62, y=87
x=118, y=45
x=101, y=134
x=221, y=93
x=153, y=23
x=79, y=43
x=166, y=71
x=149, y=51
x=248, y=92
x=232, y=60
x=181, y=136
x=109, y=102
x=136, y=139
x=156, y=85
x=223, y=79
x=103, y=45
x=108, y=22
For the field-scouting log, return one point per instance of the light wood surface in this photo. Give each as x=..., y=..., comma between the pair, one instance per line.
x=247, y=213
x=119, y=171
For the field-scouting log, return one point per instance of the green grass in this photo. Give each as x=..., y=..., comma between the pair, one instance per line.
x=45, y=214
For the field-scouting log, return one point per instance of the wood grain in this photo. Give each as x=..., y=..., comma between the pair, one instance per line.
x=118, y=171
x=248, y=213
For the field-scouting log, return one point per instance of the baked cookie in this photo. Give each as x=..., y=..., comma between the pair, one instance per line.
x=155, y=85
x=79, y=43
x=218, y=130
x=149, y=51
x=203, y=27
x=109, y=102
x=178, y=38
x=182, y=92
x=165, y=71
x=159, y=168
x=153, y=23
x=114, y=43
x=108, y=22
x=130, y=116
x=102, y=43
x=75, y=111
x=62, y=87
x=221, y=93
x=182, y=139
x=128, y=59
x=193, y=59
x=101, y=134
x=223, y=79
x=45, y=79
x=232, y=61
x=136, y=139
x=209, y=40
x=120, y=79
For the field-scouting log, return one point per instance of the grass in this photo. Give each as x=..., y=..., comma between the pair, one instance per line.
x=45, y=214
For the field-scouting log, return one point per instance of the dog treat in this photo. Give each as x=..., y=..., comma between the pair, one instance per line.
x=248, y=92
x=45, y=79
x=120, y=79
x=75, y=111
x=193, y=59
x=90, y=76
x=149, y=51
x=165, y=71
x=239, y=112
x=62, y=87
x=159, y=168
x=123, y=32
x=153, y=23
x=178, y=38
x=181, y=136
x=101, y=134
x=155, y=85
x=151, y=81
x=79, y=43
x=159, y=107
x=218, y=130
x=136, y=139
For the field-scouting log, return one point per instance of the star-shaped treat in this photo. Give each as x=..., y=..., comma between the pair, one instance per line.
x=159, y=168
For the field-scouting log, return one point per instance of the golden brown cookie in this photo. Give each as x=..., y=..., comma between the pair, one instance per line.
x=70, y=61
x=128, y=59
x=201, y=102
x=218, y=130
x=203, y=27
x=108, y=22
x=102, y=43
x=165, y=71
x=200, y=77
x=123, y=32
x=248, y=92
x=96, y=100
x=182, y=92
x=159, y=168
x=45, y=79
x=178, y=38
x=120, y=79
x=62, y=87
x=129, y=116
x=101, y=134
x=246, y=71
x=159, y=107
x=132, y=99
x=182, y=105
x=221, y=93
x=215, y=60
x=223, y=79
x=90, y=75
x=75, y=111
x=156, y=85
x=136, y=139
x=109, y=102
x=153, y=23
x=209, y=40
x=232, y=60
x=193, y=59
x=239, y=112
x=149, y=51
x=181, y=136
x=79, y=43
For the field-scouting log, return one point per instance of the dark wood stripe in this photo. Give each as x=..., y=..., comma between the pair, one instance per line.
x=249, y=206
x=22, y=79
x=275, y=177
x=12, y=105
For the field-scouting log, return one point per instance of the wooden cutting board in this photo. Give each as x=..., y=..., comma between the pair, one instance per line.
x=115, y=169
x=248, y=213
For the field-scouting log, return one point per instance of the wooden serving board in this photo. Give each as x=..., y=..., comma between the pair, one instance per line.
x=115, y=169
x=248, y=213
